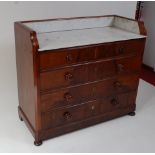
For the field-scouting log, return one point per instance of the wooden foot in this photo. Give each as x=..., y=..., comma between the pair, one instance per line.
x=37, y=143
x=19, y=115
x=20, y=118
x=132, y=113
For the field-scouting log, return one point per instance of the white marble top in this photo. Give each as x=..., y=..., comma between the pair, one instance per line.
x=56, y=34
x=63, y=39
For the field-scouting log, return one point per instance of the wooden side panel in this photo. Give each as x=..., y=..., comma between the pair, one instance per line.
x=142, y=28
x=25, y=73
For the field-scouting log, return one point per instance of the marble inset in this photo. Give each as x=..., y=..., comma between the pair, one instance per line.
x=126, y=24
x=69, y=24
x=56, y=34
x=63, y=39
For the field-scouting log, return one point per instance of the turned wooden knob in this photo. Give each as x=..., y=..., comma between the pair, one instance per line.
x=68, y=97
x=120, y=67
x=69, y=58
x=117, y=84
x=67, y=115
x=93, y=107
x=68, y=76
x=114, y=101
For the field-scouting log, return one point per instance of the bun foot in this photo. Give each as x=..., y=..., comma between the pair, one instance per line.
x=132, y=113
x=19, y=114
x=37, y=143
x=20, y=118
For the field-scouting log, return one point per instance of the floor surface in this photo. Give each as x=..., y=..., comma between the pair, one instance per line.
x=125, y=134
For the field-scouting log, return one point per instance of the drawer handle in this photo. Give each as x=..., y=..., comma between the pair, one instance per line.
x=68, y=76
x=120, y=67
x=117, y=84
x=114, y=102
x=92, y=107
x=69, y=58
x=68, y=97
x=67, y=115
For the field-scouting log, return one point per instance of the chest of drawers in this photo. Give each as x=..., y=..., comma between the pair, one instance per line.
x=76, y=72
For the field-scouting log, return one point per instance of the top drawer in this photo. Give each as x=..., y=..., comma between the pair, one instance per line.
x=66, y=57
x=122, y=48
x=59, y=58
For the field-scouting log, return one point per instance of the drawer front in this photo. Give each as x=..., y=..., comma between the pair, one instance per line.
x=64, y=77
x=88, y=73
x=121, y=101
x=128, y=65
x=80, y=112
x=76, y=95
x=76, y=75
x=68, y=115
x=88, y=92
x=126, y=83
x=119, y=49
x=65, y=57
x=59, y=58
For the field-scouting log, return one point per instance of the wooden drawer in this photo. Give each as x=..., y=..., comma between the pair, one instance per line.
x=126, y=83
x=76, y=95
x=122, y=48
x=87, y=92
x=85, y=54
x=121, y=101
x=76, y=113
x=86, y=73
x=64, y=77
x=65, y=57
x=68, y=115
x=76, y=75
x=128, y=65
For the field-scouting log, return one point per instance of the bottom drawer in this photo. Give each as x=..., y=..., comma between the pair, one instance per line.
x=76, y=113
x=120, y=101
x=67, y=115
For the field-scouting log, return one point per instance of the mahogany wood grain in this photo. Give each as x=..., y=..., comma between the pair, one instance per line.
x=65, y=57
x=121, y=101
x=80, y=112
x=25, y=72
x=124, y=48
x=142, y=28
x=67, y=89
x=28, y=77
x=71, y=56
x=57, y=131
x=86, y=73
x=59, y=117
x=88, y=92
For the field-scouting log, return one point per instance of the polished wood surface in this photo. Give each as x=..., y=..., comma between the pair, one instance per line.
x=62, y=57
x=71, y=56
x=67, y=89
x=67, y=115
x=25, y=72
x=89, y=72
x=82, y=93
